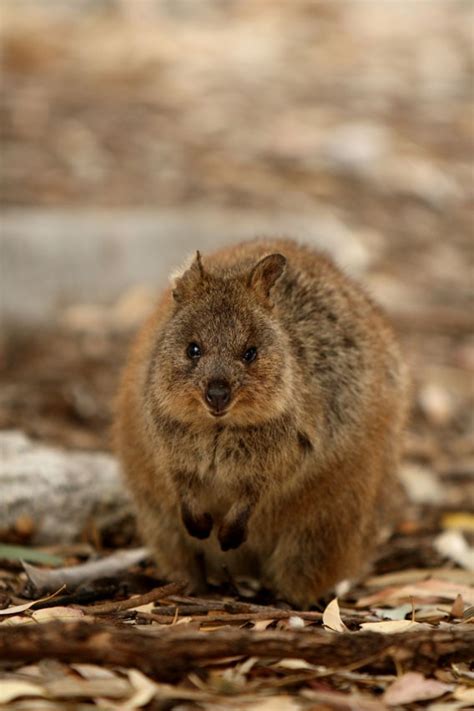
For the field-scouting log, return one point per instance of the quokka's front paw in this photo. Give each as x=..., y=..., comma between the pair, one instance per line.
x=197, y=525
x=232, y=533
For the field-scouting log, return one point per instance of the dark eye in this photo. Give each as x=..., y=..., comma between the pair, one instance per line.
x=250, y=355
x=193, y=351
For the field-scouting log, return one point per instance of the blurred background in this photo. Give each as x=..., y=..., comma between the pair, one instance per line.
x=136, y=131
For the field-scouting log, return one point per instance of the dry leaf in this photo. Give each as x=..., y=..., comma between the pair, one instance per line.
x=116, y=688
x=432, y=589
x=461, y=520
x=432, y=613
x=463, y=671
x=464, y=694
x=391, y=626
x=332, y=617
x=16, y=609
x=261, y=625
x=11, y=689
x=291, y=663
x=457, y=609
x=416, y=575
x=57, y=613
x=18, y=620
x=145, y=690
x=93, y=671
x=413, y=686
x=274, y=703
x=452, y=544
x=342, y=702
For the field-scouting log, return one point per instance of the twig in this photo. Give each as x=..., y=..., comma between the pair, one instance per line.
x=135, y=601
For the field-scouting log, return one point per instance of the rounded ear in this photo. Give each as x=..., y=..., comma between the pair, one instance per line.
x=265, y=273
x=185, y=282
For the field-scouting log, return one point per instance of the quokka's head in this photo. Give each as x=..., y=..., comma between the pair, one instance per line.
x=223, y=357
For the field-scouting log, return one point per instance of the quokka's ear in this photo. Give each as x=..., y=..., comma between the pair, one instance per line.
x=186, y=281
x=265, y=273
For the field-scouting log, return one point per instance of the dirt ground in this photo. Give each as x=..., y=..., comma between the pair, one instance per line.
x=360, y=109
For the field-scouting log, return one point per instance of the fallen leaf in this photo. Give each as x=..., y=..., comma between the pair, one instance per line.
x=17, y=620
x=92, y=671
x=145, y=690
x=275, y=703
x=464, y=694
x=461, y=520
x=116, y=688
x=431, y=588
x=57, y=613
x=14, y=689
x=291, y=663
x=416, y=575
x=452, y=544
x=391, y=626
x=457, y=609
x=413, y=686
x=332, y=617
x=342, y=702
x=261, y=625
x=19, y=553
x=432, y=613
x=16, y=609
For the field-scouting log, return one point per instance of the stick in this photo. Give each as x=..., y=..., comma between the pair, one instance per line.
x=135, y=601
x=168, y=655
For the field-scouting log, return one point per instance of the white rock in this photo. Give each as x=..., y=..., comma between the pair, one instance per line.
x=60, y=491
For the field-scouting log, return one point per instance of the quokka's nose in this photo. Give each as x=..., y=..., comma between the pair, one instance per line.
x=218, y=394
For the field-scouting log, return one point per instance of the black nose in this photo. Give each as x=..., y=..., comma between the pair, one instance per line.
x=218, y=394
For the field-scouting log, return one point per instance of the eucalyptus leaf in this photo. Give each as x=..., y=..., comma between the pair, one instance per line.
x=32, y=555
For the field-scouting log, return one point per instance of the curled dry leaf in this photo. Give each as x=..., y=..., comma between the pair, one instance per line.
x=332, y=617
x=457, y=609
x=413, y=686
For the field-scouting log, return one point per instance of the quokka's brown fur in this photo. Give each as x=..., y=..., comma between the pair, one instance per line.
x=295, y=480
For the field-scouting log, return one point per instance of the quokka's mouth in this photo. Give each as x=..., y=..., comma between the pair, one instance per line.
x=220, y=413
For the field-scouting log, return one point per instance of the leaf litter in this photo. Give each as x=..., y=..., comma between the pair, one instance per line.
x=419, y=596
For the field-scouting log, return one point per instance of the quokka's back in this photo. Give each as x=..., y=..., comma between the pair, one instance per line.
x=260, y=420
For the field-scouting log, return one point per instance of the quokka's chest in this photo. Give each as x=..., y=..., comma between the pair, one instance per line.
x=224, y=454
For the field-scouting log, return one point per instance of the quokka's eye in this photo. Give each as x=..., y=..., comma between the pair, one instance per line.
x=193, y=351
x=250, y=355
